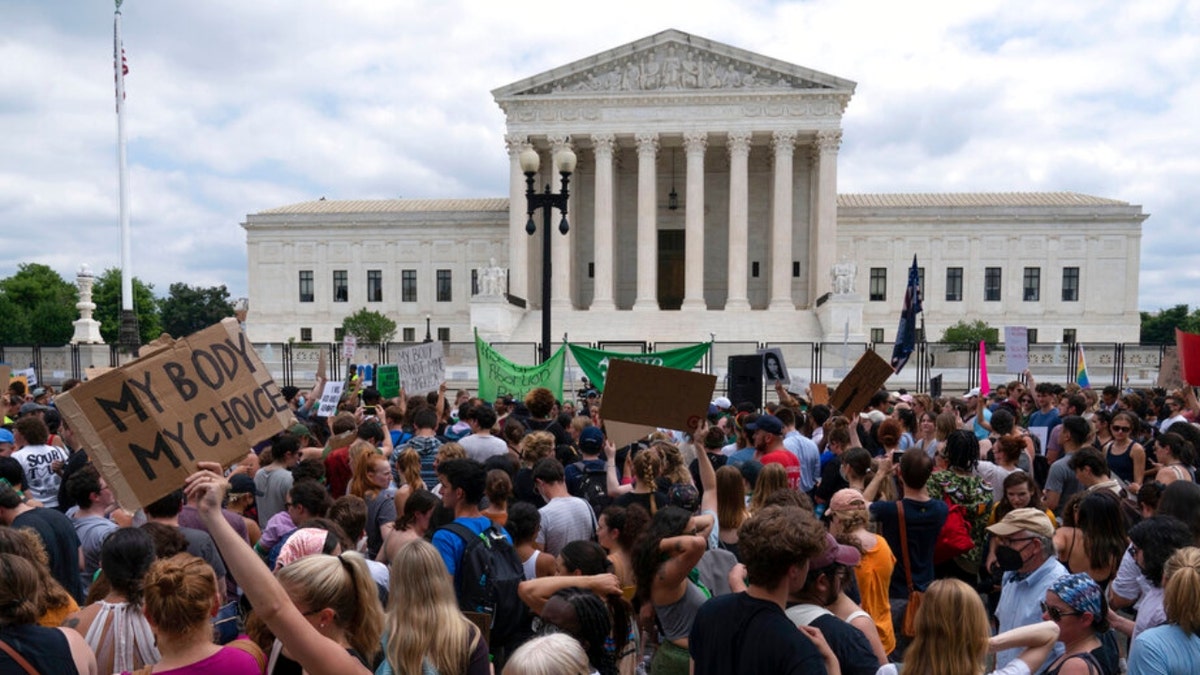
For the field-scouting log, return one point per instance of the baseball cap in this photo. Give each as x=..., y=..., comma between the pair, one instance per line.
x=767, y=423
x=685, y=496
x=847, y=499
x=722, y=403
x=876, y=416
x=240, y=483
x=835, y=553
x=1027, y=520
x=591, y=440
x=972, y=393
x=6, y=436
x=31, y=408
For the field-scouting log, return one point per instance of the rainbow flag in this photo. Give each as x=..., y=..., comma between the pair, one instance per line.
x=1081, y=376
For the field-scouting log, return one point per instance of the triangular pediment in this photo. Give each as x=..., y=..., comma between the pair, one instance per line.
x=673, y=61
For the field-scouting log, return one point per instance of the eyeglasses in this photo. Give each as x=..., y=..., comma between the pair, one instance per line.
x=1055, y=613
x=1123, y=430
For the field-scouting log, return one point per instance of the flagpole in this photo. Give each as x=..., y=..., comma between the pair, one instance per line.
x=129, y=338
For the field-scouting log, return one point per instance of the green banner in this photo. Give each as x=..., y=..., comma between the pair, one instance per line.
x=500, y=377
x=387, y=380
x=594, y=362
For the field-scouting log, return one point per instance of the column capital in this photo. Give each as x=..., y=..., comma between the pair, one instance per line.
x=828, y=140
x=739, y=143
x=695, y=142
x=558, y=143
x=647, y=143
x=783, y=141
x=516, y=143
x=603, y=143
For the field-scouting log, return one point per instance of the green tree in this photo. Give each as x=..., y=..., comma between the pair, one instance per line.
x=1159, y=327
x=14, y=327
x=187, y=309
x=969, y=333
x=369, y=327
x=42, y=303
x=106, y=294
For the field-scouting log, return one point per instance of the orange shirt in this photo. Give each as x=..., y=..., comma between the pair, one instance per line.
x=874, y=575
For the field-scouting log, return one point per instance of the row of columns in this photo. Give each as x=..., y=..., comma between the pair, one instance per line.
x=822, y=218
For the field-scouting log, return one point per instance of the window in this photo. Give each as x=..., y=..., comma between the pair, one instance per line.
x=443, y=334
x=1032, y=284
x=991, y=284
x=341, y=286
x=306, y=286
x=339, y=334
x=1031, y=335
x=878, y=288
x=954, y=279
x=1070, y=284
x=920, y=280
x=410, y=334
x=1069, y=336
x=444, y=291
x=591, y=270
x=876, y=335
x=754, y=269
x=408, y=286
x=374, y=285
x=306, y=335
x=795, y=269
x=474, y=282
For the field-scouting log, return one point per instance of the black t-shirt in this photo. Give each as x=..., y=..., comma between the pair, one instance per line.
x=923, y=521
x=62, y=545
x=735, y=634
x=642, y=499
x=849, y=645
x=831, y=480
x=718, y=461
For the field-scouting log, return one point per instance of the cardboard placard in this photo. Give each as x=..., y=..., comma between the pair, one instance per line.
x=774, y=368
x=868, y=376
x=1016, y=349
x=388, y=375
x=92, y=372
x=331, y=395
x=206, y=397
x=422, y=367
x=639, y=398
x=1170, y=373
x=5, y=375
x=819, y=393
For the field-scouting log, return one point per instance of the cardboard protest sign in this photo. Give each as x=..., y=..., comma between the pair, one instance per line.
x=206, y=397
x=388, y=384
x=639, y=398
x=1016, y=349
x=422, y=367
x=330, y=396
x=5, y=375
x=28, y=374
x=349, y=345
x=1188, y=347
x=92, y=372
x=819, y=393
x=1170, y=374
x=869, y=374
x=774, y=369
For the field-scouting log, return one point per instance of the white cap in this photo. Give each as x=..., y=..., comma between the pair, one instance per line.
x=723, y=403
x=973, y=392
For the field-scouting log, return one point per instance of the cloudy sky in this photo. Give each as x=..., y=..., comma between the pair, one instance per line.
x=237, y=107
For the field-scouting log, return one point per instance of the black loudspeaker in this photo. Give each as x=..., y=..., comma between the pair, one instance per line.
x=745, y=379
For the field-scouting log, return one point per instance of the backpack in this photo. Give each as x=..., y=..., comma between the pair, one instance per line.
x=593, y=488
x=955, y=537
x=486, y=581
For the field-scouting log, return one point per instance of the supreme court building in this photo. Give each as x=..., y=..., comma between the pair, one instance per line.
x=704, y=202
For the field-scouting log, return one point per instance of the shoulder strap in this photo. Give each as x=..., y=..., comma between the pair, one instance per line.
x=462, y=531
x=904, y=544
x=20, y=660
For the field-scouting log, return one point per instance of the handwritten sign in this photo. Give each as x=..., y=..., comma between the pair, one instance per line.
x=422, y=367
x=330, y=396
x=349, y=345
x=868, y=375
x=388, y=376
x=29, y=375
x=819, y=392
x=638, y=398
x=207, y=397
x=1016, y=348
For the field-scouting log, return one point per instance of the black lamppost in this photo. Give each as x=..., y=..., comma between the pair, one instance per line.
x=564, y=161
x=428, y=335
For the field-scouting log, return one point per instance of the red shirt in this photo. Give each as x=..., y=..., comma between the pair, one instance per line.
x=790, y=464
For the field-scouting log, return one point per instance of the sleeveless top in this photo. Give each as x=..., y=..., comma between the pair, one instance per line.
x=677, y=617
x=531, y=565
x=1121, y=464
x=120, y=633
x=46, y=649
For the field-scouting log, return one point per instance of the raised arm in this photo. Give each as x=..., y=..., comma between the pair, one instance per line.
x=708, y=475
x=536, y=592
x=316, y=653
x=615, y=489
x=882, y=473
x=1038, y=640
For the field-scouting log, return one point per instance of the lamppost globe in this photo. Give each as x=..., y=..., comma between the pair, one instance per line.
x=530, y=161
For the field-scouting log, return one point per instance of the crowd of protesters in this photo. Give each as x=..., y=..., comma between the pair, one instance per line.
x=1035, y=529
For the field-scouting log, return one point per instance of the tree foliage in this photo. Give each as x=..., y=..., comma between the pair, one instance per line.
x=187, y=309
x=106, y=294
x=1159, y=327
x=969, y=333
x=37, y=306
x=369, y=327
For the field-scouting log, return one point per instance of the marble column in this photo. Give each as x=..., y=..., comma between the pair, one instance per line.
x=518, y=240
x=739, y=205
x=647, y=224
x=822, y=249
x=782, y=144
x=694, y=144
x=560, y=246
x=602, y=283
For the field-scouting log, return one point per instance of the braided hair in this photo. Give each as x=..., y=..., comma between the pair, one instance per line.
x=594, y=626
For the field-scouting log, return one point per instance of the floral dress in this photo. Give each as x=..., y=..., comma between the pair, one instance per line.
x=972, y=493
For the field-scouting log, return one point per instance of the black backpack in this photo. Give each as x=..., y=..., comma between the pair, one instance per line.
x=486, y=581
x=593, y=488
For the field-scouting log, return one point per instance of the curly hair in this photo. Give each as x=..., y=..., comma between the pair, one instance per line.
x=776, y=538
x=540, y=402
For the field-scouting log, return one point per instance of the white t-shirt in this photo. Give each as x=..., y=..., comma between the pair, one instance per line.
x=481, y=447
x=564, y=520
x=40, y=479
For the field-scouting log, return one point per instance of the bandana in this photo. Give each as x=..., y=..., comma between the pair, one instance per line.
x=1080, y=592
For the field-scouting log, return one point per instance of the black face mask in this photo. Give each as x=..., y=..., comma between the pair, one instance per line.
x=1009, y=559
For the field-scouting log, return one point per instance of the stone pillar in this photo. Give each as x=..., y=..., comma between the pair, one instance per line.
x=647, y=224
x=822, y=249
x=694, y=144
x=739, y=205
x=603, y=256
x=560, y=245
x=782, y=144
x=518, y=240
x=87, y=329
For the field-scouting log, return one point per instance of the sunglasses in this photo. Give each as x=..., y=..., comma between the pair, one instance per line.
x=1121, y=429
x=1055, y=613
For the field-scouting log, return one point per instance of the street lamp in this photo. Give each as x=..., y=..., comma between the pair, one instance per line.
x=428, y=335
x=564, y=161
